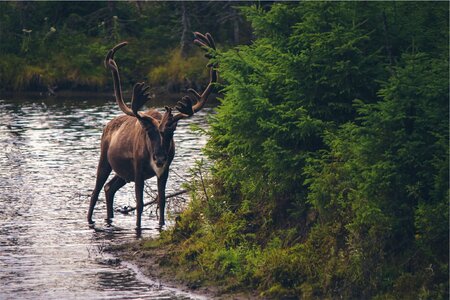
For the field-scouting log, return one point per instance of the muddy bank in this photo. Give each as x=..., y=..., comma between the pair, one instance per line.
x=154, y=263
x=48, y=162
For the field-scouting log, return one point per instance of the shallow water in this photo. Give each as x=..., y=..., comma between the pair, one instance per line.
x=48, y=159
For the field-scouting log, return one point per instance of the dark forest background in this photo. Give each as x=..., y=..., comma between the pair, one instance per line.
x=327, y=173
x=63, y=44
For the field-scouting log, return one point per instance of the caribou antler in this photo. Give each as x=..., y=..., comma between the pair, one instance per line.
x=137, y=151
x=141, y=95
x=186, y=105
x=140, y=90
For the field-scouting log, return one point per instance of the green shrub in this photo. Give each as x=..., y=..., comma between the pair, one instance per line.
x=329, y=152
x=180, y=70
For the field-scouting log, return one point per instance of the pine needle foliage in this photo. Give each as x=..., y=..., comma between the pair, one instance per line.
x=329, y=154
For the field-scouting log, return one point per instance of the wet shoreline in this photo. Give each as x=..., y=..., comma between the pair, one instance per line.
x=151, y=264
x=47, y=170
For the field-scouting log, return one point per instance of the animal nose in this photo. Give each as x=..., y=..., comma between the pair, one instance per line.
x=160, y=161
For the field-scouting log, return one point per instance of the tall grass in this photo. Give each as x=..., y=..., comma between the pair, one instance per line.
x=178, y=71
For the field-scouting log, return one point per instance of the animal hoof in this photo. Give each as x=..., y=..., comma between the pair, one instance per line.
x=138, y=231
x=91, y=224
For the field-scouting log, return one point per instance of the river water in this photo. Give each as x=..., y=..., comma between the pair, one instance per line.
x=49, y=151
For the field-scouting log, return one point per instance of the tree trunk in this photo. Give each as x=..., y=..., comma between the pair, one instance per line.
x=185, y=42
x=386, y=40
x=236, y=29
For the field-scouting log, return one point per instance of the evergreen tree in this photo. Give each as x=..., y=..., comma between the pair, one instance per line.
x=330, y=156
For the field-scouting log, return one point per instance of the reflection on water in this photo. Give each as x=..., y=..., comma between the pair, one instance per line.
x=48, y=158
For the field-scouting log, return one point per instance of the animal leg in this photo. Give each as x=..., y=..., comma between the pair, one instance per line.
x=103, y=171
x=139, y=190
x=162, y=196
x=110, y=190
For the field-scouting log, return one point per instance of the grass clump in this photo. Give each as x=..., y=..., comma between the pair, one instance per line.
x=178, y=72
x=329, y=159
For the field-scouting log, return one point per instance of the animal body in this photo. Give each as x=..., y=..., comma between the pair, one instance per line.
x=139, y=145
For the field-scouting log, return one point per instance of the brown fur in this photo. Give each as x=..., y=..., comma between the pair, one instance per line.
x=128, y=148
x=137, y=145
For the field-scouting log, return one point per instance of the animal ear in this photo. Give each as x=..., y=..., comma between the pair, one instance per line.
x=172, y=126
x=167, y=121
x=148, y=122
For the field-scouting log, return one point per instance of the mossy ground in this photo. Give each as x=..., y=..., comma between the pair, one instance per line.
x=156, y=259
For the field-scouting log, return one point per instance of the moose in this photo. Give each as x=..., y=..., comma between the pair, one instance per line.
x=139, y=145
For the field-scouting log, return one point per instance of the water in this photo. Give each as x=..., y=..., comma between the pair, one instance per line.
x=48, y=157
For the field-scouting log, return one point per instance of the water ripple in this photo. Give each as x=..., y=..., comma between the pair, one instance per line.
x=48, y=163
